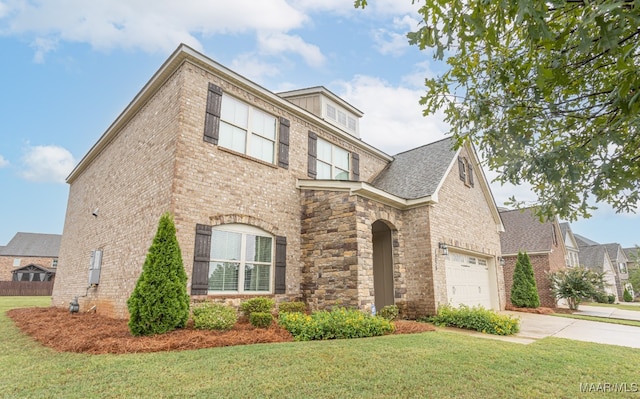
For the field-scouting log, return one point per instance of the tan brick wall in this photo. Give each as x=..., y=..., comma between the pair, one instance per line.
x=6, y=264
x=463, y=220
x=159, y=162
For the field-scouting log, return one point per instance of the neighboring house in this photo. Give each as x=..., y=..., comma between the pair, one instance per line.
x=595, y=257
x=33, y=272
x=542, y=241
x=571, y=245
x=619, y=260
x=275, y=195
x=632, y=254
x=26, y=249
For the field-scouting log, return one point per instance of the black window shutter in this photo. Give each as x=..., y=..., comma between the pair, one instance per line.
x=283, y=143
x=355, y=166
x=201, y=258
x=281, y=265
x=212, y=116
x=313, y=153
x=463, y=176
x=470, y=173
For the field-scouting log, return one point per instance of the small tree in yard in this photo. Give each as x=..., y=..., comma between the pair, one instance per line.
x=524, y=293
x=159, y=302
x=627, y=295
x=576, y=284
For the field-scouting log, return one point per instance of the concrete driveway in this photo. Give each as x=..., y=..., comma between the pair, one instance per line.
x=536, y=326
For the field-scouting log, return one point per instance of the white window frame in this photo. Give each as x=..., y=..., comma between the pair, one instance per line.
x=334, y=169
x=244, y=230
x=251, y=136
x=16, y=262
x=340, y=116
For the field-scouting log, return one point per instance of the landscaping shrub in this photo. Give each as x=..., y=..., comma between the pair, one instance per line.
x=476, y=318
x=389, y=312
x=336, y=324
x=259, y=304
x=611, y=298
x=159, y=301
x=602, y=297
x=213, y=316
x=627, y=296
x=261, y=319
x=524, y=293
x=292, y=307
x=575, y=284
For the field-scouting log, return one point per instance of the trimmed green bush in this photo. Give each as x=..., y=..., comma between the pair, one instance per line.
x=524, y=293
x=292, y=307
x=261, y=319
x=259, y=304
x=389, y=312
x=612, y=298
x=339, y=323
x=476, y=318
x=214, y=316
x=159, y=303
x=602, y=297
x=627, y=296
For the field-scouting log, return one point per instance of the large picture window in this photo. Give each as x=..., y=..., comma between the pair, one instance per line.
x=247, y=130
x=241, y=259
x=332, y=162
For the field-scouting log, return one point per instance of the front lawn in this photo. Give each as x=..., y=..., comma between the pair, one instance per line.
x=621, y=306
x=436, y=364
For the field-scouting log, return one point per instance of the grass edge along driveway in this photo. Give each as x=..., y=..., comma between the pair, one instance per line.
x=435, y=364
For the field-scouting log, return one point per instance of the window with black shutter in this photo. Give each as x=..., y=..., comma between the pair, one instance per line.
x=283, y=143
x=355, y=166
x=201, y=258
x=212, y=116
x=313, y=152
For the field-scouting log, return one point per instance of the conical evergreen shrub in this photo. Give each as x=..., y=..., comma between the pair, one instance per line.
x=524, y=293
x=160, y=303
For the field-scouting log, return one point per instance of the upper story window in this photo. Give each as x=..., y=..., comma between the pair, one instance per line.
x=465, y=170
x=16, y=262
x=241, y=260
x=622, y=267
x=54, y=263
x=341, y=117
x=247, y=130
x=332, y=162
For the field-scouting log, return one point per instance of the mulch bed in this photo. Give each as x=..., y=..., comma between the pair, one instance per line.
x=96, y=334
x=540, y=310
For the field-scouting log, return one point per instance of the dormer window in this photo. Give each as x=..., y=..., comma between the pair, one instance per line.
x=340, y=117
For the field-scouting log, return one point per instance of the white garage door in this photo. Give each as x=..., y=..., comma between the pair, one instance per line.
x=467, y=280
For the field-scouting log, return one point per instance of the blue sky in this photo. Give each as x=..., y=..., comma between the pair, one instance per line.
x=71, y=66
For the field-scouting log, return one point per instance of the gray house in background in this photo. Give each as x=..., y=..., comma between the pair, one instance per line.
x=596, y=258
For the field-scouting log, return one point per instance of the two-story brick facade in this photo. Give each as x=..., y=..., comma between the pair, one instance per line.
x=274, y=194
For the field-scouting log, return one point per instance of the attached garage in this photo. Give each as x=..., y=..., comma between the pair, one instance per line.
x=469, y=280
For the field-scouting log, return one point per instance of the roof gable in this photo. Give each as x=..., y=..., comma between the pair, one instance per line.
x=584, y=241
x=419, y=172
x=594, y=257
x=33, y=244
x=525, y=232
x=568, y=237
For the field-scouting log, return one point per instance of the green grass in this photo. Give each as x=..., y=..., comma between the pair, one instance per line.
x=613, y=305
x=436, y=364
x=609, y=320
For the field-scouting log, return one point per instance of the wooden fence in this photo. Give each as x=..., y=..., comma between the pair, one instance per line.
x=26, y=288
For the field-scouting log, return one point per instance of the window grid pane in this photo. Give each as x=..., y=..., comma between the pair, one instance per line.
x=234, y=112
x=223, y=276
x=256, y=277
x=323, y=170
x=263, y=124
x=232, y=137
x=225, y=245
x=261, y=148
x=341, y=158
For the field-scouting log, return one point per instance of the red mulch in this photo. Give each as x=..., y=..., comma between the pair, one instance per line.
x=96, y=334
x=540, y=310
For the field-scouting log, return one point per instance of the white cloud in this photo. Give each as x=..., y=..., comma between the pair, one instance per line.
x=393, y=120
x=249, y=65
x=138, y=24
x=395, y=42
x=278, y=43
x=3, y=162
x=47, y=164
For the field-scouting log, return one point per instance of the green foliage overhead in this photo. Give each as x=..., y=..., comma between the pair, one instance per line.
x=577, y=284
x=524, y=292
x=160, y=303
x=548, y=90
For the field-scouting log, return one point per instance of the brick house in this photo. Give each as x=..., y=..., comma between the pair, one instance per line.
x=542, y=241
x=276, y=195
x=26, y=249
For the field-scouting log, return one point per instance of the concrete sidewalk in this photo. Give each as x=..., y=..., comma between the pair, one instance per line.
x=608, y=312
x=536, y=326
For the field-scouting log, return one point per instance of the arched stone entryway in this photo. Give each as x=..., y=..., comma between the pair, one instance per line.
x=382, y=264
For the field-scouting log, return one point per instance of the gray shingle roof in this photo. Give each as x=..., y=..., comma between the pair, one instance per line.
x=416, y=173
x=584, y=241
x=592, y=257
x=631, y=251
x=612, y=250
x=33, y=244
x=523, y=231
x=564, y=227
